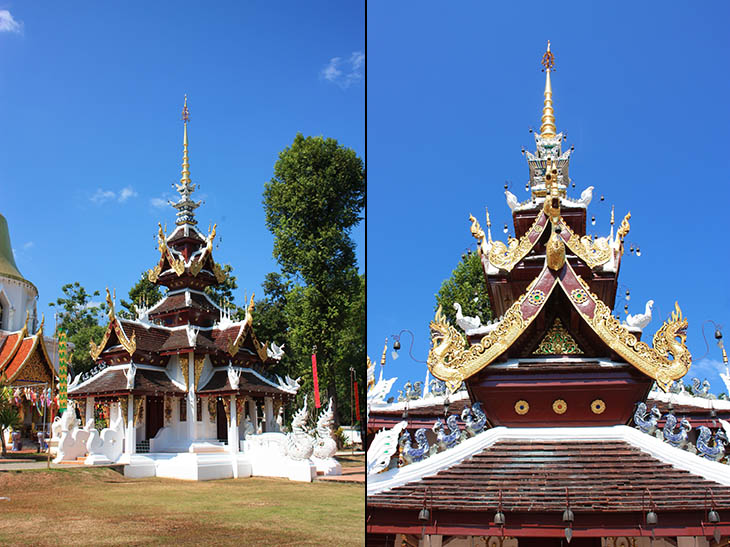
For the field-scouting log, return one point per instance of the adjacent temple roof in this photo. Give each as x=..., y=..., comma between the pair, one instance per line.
x=24, y=358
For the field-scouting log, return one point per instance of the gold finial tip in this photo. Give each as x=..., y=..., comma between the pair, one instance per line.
x=548, y=59
x=185, y=111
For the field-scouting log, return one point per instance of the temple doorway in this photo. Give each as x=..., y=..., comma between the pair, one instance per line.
x=222, y=422
x=154, y=416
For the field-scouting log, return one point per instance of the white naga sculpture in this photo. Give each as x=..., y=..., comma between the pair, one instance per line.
x=324, y=445
x=299, y=444
x=640, y=320
x=377, y=392
x=383, y=447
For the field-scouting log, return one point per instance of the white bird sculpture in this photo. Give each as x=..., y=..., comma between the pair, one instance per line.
x=465, y=322
x=511, y=200
x=275, y=352
x=586, y=196
x=640, y=320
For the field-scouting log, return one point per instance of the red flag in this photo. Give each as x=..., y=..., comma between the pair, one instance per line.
x=357, y=403
x=316, y=381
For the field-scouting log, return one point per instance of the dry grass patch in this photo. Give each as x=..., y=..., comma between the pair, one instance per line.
x=101, y=507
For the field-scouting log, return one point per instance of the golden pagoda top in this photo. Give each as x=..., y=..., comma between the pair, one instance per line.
x=547, y=129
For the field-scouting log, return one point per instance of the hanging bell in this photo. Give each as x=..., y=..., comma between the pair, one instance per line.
x=713, y=516
x=505, y=229
x=424, y=515
x=652, y=518
x=499, y=518
x=593, y=220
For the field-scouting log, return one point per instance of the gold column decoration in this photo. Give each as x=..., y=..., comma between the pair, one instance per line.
x=168, y=410
x=547, y=129
x=212, y=408
x=240, y=405
x=199, y=362
x=81, y=404
x=124, y=402
x=184, y=370
x=227, y=408
x=139, y=411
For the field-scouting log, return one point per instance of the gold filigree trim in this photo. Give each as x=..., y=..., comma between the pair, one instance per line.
x=154, y=274
x=507, y=256
x=220, y=275
x=138, y=411
x=558, y=341
x=593, y=252
x=199, y=362
x=129, y=344
x=184, y=368
x=654, y=361
x=212, y=409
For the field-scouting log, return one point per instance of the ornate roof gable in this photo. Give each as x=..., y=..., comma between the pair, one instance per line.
x=453, y=362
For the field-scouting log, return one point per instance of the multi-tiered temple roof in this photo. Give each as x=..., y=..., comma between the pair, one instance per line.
x=135, y=355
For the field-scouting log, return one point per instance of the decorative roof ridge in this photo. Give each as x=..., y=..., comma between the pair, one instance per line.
x=195, y=291
x=421, y=402
x=73, y=387
x=676, y=457
x=21, y=334
x=34, y=338
x=687, y=399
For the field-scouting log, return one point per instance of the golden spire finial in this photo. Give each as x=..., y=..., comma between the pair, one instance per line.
x=185, y=163
x=385, y=352
x=547, y=129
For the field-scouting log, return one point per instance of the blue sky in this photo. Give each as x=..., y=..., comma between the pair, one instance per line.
x=91, y=140
x=641, y=90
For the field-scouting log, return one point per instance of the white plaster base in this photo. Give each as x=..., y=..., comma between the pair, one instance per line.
x=188, y=466
x=97, y=459
x=327, y=466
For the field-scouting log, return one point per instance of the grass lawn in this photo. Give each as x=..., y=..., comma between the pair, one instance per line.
x=101, y=507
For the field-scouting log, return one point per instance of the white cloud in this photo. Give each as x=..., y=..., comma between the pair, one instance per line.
x=159, y=203
x=28, y=245
x=101, y=196
x=344, y=73
x=92, y=305
x=8, y=24
x=127, y=193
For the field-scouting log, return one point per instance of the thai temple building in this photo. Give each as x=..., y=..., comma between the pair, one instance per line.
x=183, y=390
x=27, y=356
x=557, y=422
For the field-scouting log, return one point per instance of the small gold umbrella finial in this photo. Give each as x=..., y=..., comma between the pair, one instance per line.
x=547, y=129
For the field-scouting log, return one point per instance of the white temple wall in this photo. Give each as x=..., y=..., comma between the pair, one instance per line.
x=173, y=368
x=17, y=298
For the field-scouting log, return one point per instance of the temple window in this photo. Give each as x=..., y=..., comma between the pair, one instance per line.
x=183, y=410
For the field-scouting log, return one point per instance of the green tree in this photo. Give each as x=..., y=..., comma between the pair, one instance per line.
x=313, y=201
x=144, y=293
x=9, y=415
x=468, y=287
x=82, y=320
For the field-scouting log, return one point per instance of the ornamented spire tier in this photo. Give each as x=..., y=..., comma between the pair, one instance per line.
x=547, y=129
x=185, y=206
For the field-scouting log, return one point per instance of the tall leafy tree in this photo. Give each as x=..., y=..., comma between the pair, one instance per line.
x=467, y=286
x=83, y=320
x=313, y=201
x=143, y=293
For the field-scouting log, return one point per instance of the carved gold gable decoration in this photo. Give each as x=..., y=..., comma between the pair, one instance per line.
x=129, y=344
x=184, y=369
x=449, y=360
x=593, y=253
x=507, y=256
x=558, y=341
